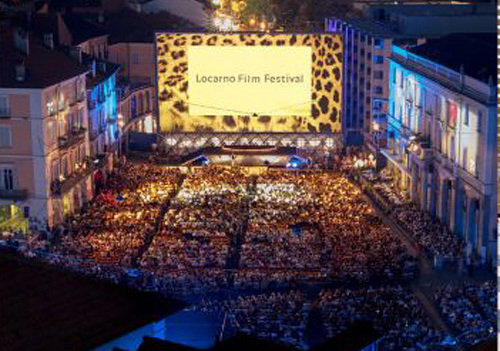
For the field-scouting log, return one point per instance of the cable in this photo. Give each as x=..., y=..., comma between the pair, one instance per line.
x=247, y=112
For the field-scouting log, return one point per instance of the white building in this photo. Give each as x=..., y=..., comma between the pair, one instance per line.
x=442, y=128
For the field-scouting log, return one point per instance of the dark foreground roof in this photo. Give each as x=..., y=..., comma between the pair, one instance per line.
x=477, y=52
x=81, y=30
x=239, y=342
x=356, y=337
x=43, y=308
x=489, y=345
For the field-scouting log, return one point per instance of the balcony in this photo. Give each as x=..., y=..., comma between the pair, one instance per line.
x=93, y=134
x=14, y=194
x=76, y=136
x=60, y=187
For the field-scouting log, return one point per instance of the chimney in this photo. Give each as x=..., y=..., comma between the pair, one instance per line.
x=76, y=53
x=48, y=40
x=20, y=71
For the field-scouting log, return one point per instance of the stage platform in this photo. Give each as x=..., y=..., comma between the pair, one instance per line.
x=180, y=144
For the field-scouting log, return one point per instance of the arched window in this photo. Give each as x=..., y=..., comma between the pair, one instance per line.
x=141, y=103
x=148, y=101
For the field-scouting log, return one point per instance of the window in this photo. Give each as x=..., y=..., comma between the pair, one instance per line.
x=141, y=104
x=65, y=169
x=4, y=106
x=135, y=58
x=464, y=160
x=378, y=59
x=451, y=114
x=51, y=108
x=378, y=74
x=378, y=44
x=378, y=105
x=148, y=101
x=5, y=137
x=82, y=153
x=55, y=170
x=466, y=117
x=51, y=132
x=379, y=90
x=7, y=177
x=479, y=120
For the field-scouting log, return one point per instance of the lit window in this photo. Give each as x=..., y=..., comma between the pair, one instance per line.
x=4, y=106
x=5, y=137
x=466, y=118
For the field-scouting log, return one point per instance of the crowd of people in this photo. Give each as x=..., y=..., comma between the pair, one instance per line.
x=319, y=221
x=277, y=315
x=115, y=226
x=432, y=236
x=219, y=231
x=470, y=308
x=294, y=316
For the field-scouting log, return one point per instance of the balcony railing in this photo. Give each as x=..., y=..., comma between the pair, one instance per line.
x=445, y=76
x=60, y=187
x=72, y=138
x=14, y=194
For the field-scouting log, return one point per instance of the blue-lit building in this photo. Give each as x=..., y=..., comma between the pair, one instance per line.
x=441, y=139
x=102, y=103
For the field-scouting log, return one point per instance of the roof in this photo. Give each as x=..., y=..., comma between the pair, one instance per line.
x=240, y=342
x=488, y=345
x=40, y=64
x=374, y=28
x=81, y=30
x=78, y=27
x=476, y=52
x=104, y=70
x=45, y=308
x=134, y=27
x=455, y=9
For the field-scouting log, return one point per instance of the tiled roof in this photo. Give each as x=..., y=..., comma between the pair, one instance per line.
x=44, y=67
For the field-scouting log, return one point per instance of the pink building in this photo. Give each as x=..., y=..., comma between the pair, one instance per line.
x=44, y=146
x=137, y=109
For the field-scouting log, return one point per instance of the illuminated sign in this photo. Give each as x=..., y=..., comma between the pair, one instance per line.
x=260, y=81
x=249, y=82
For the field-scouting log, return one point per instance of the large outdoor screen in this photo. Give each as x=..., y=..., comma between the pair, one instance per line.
x=249, y=82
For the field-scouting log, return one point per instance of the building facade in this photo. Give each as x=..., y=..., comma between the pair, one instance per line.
x=102, y=104
x=442, y=145
x=138, y=109
x=45, y=173
x=367, y=45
